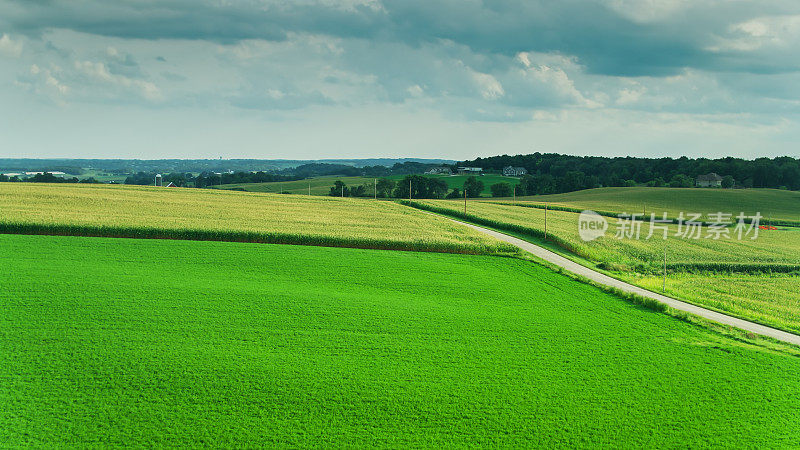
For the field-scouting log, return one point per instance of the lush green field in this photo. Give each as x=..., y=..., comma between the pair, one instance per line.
x=322, y=185
x=773, y=251
x=202, y=214
x=775, y=205
x=111, y=342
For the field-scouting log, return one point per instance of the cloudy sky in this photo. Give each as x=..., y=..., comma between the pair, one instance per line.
x=396, y=78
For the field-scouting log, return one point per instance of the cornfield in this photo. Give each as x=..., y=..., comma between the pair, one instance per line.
x=149, y=212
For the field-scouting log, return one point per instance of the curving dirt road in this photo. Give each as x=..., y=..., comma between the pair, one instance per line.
x=600, y=278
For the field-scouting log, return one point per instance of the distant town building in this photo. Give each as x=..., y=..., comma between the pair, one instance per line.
x=470, y=170
x=709, y=180
x=511, y=171
x=440, y=171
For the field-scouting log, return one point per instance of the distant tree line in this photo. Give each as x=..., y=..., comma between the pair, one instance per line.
x=326, y=169
x=210, y=178
x=206, y=179
x=45, y=177
x=553, y=173
x=413, y=186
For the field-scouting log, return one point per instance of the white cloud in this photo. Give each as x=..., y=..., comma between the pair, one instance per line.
x=630, y=95
x=782, y=32
x=98, y=71
x=45, y=82
x=9, y=47
x=644, y=11
x=489, y=87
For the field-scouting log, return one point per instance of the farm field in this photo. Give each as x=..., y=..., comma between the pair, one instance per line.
x=775, y=205
x=773, y=251
x=322, y=185
x=203, y=214
x=767, y=298
x=319, y=185
x=168, y=343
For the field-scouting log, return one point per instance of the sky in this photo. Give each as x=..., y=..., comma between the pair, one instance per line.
x=448, y=79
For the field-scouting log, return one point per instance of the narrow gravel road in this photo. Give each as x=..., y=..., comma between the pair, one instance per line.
x=600, y=278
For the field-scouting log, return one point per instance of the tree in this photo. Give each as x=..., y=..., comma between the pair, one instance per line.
x=358, y=191
x=454, y=194
x=385, y=187
x=473, y=186
x=727, y=182
x=571, y=181
x=537, y=184
x=680, y=181
x=500, y=190
x=421, y=187
x=339, y=189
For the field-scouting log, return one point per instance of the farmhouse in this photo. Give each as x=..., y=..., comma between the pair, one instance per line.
x=470, y=170
x=709, y=180
x=511, y=171
x=439, y=171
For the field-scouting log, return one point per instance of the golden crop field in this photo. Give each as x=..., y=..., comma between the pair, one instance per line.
x=772, y=299
x=771, y=247
x=140, y=211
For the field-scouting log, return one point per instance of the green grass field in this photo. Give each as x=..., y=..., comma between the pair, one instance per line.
x=319, y=185
x=204, y=214
x=322, y=185
x=112, y=342
x=773, y=251
x=775, y=205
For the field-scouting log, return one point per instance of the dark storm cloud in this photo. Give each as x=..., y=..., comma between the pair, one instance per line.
x=604, y=39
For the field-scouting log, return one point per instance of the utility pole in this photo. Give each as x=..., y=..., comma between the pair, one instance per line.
x=465, y=199
x=375, y=181
x=515, y=195
x=309, y=188
x=342, y=190
x=545, y=222
x=409, y=189
x=664, y=284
